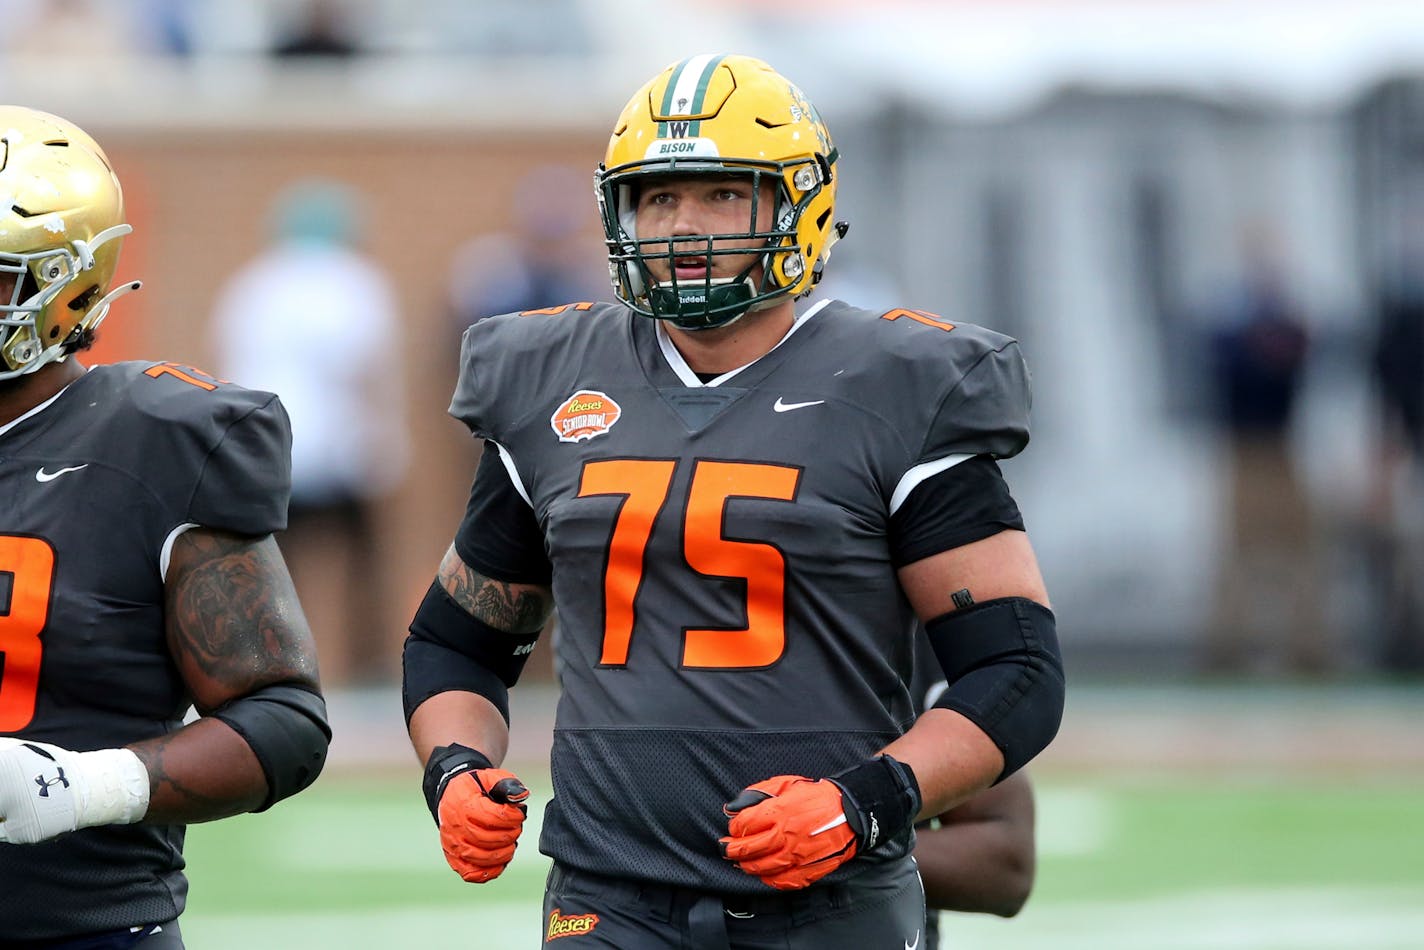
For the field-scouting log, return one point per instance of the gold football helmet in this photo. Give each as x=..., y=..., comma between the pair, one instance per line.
x=720, y=115
x=61, y=225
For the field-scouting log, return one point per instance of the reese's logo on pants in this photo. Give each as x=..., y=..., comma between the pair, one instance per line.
x=583, y=415
x=571, y=926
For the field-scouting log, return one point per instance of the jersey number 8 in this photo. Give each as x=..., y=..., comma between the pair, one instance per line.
x=26, y=578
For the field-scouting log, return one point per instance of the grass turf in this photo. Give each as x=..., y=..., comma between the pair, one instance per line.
x=355, y=861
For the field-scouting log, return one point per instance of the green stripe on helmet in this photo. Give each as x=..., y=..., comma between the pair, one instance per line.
x=699, y=96
x=667, y=95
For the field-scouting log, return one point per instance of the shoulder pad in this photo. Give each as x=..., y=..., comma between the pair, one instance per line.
x=963, y=388
x=505, y=359
x=217, y=453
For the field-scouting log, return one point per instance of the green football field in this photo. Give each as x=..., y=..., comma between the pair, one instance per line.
x=1127, y=860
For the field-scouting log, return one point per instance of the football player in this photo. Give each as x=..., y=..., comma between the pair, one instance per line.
x=978, y=857
x=741, y=512
x=138, y=578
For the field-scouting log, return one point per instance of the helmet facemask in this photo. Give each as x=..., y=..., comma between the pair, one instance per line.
x=61, y=227
x=721, y=116
x=711, y=301
x=48, y=288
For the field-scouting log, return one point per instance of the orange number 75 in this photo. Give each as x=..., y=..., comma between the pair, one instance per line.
x=644, y=485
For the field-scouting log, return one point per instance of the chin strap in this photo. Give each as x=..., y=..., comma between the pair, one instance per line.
x=703, y=305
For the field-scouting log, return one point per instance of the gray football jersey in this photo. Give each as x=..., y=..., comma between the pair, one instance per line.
x=728, y=608
x=92, y=488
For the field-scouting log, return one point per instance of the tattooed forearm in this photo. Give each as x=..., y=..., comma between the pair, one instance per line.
x=516, y=608
x=234, y=623
x=182, y=793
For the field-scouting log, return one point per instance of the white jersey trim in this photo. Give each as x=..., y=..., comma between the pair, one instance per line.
x=912, y=478
x=167, y=551
x=508, y=462
x=690, y=379
x=32, y=412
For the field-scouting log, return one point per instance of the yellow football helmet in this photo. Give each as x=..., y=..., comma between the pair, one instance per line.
x=718, y=115
x=61, y=225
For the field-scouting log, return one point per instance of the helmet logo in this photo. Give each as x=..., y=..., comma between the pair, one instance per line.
x=584, y=415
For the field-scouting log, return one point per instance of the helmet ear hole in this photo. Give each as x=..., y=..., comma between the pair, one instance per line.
x=82, y=301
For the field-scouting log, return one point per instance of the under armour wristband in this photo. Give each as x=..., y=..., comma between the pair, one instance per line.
x=881, y=799
x=446, y=762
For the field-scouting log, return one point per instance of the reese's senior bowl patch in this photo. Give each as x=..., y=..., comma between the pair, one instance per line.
x=570, y=926
x=583, y=415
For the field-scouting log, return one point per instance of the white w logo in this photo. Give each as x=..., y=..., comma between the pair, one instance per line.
x=678, y=130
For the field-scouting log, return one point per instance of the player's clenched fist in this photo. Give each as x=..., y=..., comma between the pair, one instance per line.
x=46, y=791
x=480, y=810
x=790, y=831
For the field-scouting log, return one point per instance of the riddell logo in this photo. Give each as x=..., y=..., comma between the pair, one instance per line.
x=561, y=926
x=584, y=415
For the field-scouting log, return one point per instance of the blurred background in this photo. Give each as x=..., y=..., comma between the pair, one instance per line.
x=1204, y=220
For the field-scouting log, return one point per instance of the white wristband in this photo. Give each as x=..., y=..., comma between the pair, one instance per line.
x=115, y=788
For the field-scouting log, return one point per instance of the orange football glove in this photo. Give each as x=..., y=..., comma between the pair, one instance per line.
x=480, y=810
x=481, y=816
x=789, y=831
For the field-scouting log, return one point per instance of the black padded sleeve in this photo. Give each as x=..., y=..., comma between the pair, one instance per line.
x=965, y=503
x=499, y=536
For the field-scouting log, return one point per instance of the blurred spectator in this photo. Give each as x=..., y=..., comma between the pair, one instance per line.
x=315, y=320
x=74, y=31
x=169, y=25
x=1399, y=374
x=543, y=261
x=557, y=29
x=1269, y=600
x=322, y=28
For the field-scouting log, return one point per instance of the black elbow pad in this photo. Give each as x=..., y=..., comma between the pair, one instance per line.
x=286, y=727
x=449, y=649
x=1005, y=673
x=429, y=668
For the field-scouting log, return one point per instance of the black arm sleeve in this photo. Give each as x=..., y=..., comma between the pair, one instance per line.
x=500, y=537
x=967, y=502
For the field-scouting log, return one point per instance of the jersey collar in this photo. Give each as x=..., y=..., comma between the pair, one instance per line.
x=31, y=413
x=689, y=378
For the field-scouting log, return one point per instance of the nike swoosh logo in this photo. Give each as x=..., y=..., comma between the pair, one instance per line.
x=912, y=946
x=43, y=476
x=788, y=406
